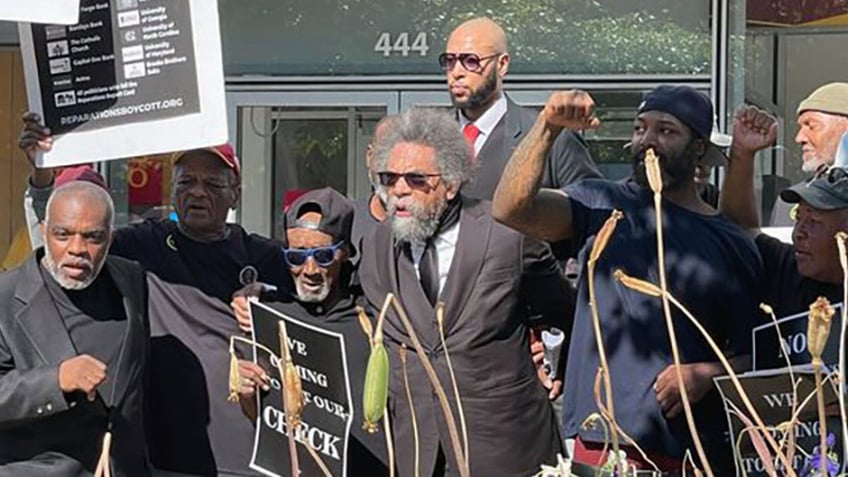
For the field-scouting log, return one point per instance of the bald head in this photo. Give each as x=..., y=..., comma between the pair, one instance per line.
x=83, y=195
x=480, y=33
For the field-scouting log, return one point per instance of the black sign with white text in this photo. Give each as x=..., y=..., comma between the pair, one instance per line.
x=126, y=61
x=319, y=358
x=772, y=395
x=770, y=351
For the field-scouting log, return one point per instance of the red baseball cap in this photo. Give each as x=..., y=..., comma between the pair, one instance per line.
x=224, y=152
x=80, y=173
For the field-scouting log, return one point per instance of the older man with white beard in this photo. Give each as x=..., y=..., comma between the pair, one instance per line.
x=439, y=246
x=73, y=346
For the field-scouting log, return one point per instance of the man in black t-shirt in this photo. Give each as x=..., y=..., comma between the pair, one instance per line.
x=712, y=267
x=795, y=275
x=318, y=229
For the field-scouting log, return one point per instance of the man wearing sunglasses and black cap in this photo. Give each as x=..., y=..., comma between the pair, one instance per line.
x=795, y=275
x=475, y=62
x=711, y=264
x=317, y=255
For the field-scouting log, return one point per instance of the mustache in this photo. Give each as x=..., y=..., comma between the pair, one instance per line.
x=77, y=262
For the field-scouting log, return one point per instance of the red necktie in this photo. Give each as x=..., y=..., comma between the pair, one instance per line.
x=470, y=131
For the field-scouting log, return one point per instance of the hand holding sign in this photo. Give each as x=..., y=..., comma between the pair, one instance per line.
x=35, y=138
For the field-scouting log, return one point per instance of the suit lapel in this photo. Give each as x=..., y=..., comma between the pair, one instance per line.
x=39, y=318
x=514, y=129
x=468, y=257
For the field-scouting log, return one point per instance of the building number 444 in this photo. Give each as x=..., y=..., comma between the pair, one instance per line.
x=401, y=44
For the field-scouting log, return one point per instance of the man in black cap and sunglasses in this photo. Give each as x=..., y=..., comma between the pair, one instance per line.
x=318, y=256
x=795, y=275
x=475, y=62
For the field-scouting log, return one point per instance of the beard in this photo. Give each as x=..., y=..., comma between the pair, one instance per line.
x=481, y=96
x=310, y=296
x=67, y=283
x=678, y=169
x=421, y=225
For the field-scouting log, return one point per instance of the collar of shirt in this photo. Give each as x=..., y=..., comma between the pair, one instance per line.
x=445, y=247
x=487, y=122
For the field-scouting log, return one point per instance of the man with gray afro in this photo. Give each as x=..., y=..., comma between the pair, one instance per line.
x=438, y=247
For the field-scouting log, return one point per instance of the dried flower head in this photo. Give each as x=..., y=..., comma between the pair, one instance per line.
x=652, y=169
x=636, y=284
x=841, y=237
x=603, y=237
x=818, y=327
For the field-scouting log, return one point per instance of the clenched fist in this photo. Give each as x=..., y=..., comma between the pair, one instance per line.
x=753, y=129
x=572, y=109
x=81, y=373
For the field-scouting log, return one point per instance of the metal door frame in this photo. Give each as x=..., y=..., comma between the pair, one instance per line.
x=256, y=206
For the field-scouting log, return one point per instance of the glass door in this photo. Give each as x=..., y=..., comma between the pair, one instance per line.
x=291, y=142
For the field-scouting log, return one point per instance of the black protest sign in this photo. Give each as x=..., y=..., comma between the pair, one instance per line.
x=771, y=393
x=125, y=61
x=319, y=358
x=770, y=351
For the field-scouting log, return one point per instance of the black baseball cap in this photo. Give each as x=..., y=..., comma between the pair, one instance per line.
x=695, y=110
x=828, y=191
x=336, y=215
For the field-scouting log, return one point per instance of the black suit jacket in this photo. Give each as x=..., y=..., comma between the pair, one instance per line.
x=43, y=432
x=495, y=274
x=569, y=160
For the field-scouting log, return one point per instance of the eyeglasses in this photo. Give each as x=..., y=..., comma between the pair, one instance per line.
x=416, y=180
x=470, y=61
x=323, y=256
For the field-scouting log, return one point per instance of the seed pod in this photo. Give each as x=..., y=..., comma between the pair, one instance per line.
x=818, y=327
x=235, y=377
x=640, y=286
x=376, y=389
x=767, y=309
x=652, y=170
x=293, y=398
x=841, y=237
x=604, y=235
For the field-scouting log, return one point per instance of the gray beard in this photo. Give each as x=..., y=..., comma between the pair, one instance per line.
x=418, y=228
x=66, y=283
x=310, y=297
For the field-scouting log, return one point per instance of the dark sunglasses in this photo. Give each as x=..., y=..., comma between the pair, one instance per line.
x=323, y=256
x=416, y=180
x=470, y=61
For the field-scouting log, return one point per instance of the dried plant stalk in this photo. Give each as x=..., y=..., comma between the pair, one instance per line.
x=788, y=436
x=436, y=383
x=818, y=330
x=292, y=394
x=390, y=446
x=655, y=180
x=104, y=466
x=417, y=455
x=841, y=238
x=440, y=320
x=639, y=285
x=601, y=241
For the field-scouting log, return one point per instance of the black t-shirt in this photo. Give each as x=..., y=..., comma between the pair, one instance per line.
x=712, y=267
x=786, y=290
x=95, y=319
x=367, y=453
x=213, y=267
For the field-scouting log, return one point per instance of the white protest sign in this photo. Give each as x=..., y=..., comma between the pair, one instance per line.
x=65, y=12
x=131, y=78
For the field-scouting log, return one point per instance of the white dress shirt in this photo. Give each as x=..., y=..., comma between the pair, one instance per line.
x=487, y=122
x=445, y=248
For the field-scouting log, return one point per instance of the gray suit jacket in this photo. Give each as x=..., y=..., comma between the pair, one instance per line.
x=496, y=273
x=569, y=160
x=44, y=432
